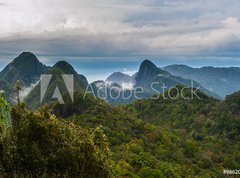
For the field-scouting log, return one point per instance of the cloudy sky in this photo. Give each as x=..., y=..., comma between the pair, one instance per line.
x=188, y=29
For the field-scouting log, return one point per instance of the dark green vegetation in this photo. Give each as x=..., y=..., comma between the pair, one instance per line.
x=37, y=144
x=220, y=80
x=4, y=111
x=164, y=137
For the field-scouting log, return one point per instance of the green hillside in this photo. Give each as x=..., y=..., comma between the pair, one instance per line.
x=165, y=137
x=148, y=138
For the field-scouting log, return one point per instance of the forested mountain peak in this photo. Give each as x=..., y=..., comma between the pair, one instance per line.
x=27, y=56
x=26, y=67
x=147, y=71
x=65, y=66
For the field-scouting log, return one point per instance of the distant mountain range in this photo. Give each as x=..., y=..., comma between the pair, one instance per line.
x=215, y=82
x=148, y=75
x=220, y=80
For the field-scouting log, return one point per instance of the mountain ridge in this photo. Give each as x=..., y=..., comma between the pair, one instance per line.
x=26, y=68
x=220, y=80
x=148, y=73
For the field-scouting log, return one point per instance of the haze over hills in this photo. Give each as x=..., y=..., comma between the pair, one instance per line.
x=220, y=80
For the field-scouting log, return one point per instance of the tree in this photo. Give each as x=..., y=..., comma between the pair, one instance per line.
x=4, y=111
x=45, y=146
x=18, y=88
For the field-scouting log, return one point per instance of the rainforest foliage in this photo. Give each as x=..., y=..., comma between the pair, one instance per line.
x=40, y=145
x=150, y=138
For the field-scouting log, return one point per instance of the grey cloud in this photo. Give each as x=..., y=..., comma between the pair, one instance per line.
x=3, y=4
x=120, y=28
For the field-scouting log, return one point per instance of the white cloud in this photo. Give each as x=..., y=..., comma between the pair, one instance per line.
x=25, y=91
x=231, y=22
x=127, y=86
x=129, y=72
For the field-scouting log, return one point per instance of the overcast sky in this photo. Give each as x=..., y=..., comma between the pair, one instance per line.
x=120, y=27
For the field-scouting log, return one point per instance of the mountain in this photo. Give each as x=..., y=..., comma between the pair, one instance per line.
x=57, y=84
x=153, y=79
x=220, y=80
x=147, y=72
x=119, y=78
x=26, y=68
